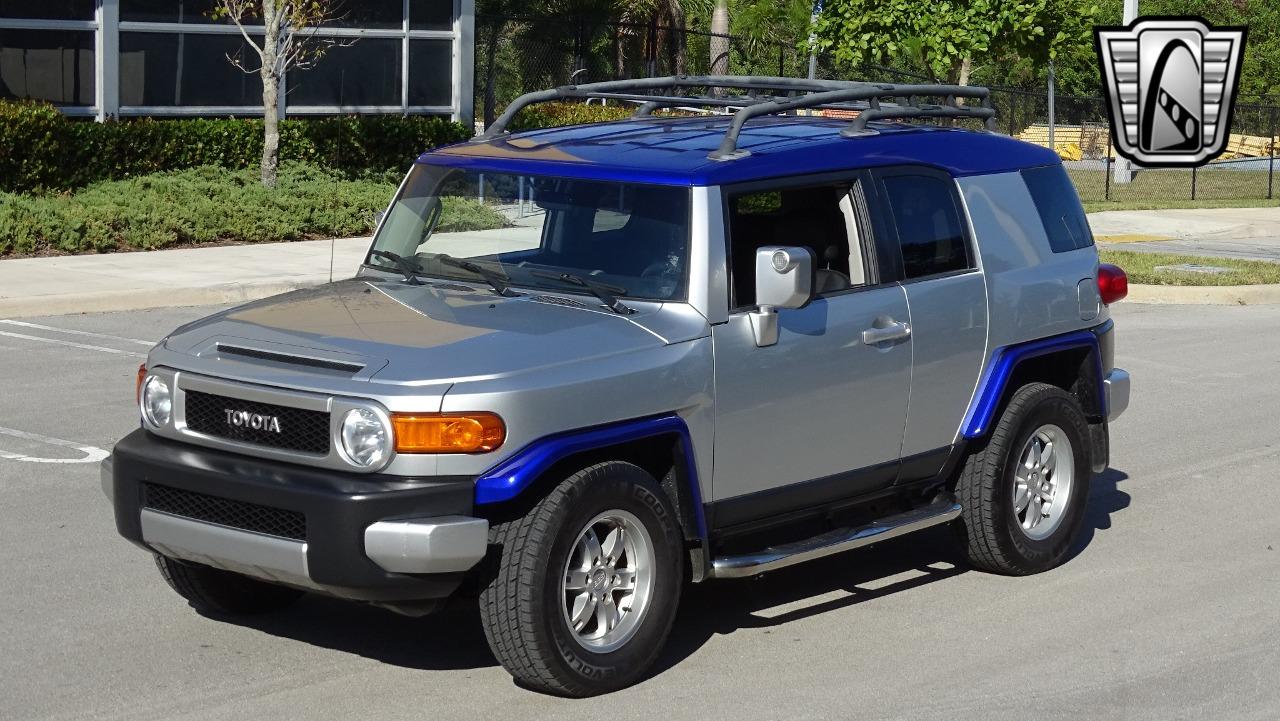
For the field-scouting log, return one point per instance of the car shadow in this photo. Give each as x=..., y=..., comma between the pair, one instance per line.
x=452, y=639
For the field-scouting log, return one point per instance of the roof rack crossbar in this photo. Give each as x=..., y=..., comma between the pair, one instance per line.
x=815, y=94
x=728, y=149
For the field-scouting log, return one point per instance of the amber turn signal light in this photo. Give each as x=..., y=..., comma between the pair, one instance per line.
x=137, y=388
x=447, y=432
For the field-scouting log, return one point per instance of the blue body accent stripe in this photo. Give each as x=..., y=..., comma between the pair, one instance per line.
x=506, y=480
x=987, y=400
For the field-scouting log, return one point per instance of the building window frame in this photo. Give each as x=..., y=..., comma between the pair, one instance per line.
x=107, y=27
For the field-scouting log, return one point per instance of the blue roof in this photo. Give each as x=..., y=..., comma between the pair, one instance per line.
x=673, y=151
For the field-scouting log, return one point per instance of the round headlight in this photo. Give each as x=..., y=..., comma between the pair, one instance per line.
x=365, y=438
x=157, y=402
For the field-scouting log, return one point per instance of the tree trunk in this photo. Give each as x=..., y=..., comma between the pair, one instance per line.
x=679, y=49
x=270, y=93
x=720, y=38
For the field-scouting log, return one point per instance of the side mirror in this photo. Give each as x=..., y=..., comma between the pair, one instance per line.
x=784, y=279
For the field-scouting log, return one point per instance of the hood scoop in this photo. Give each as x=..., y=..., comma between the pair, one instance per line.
x=226, y=349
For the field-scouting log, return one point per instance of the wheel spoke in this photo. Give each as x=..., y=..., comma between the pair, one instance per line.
x=1022, y=496
x=1046, y=494
x=626, y=579
x=613, y=542
x=1047, y=460
x=1034, y=512
x=575, y=580
x=591, y=543
x=606, y=614
x=584, y=606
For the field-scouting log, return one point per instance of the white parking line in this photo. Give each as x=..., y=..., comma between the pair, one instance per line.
x=85, y=346
x=92, y=454
x=69, y=331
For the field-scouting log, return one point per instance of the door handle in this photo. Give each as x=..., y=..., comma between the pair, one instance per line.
x=890, y=332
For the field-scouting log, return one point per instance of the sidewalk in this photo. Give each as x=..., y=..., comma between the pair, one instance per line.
x=233, y=274
x=190, y=276
x=1248, y=233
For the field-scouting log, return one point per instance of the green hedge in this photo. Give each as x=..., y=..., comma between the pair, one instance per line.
x=41, y=150
x=199, y=205
x=545, y=115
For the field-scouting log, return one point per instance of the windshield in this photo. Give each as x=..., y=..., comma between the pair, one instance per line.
x=631, y=239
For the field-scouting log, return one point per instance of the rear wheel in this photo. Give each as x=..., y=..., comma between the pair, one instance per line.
x=1024, y=492
x=214, y=591
x=587, y=583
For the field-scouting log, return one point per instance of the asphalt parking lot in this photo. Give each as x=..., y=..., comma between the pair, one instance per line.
x=1170, y=608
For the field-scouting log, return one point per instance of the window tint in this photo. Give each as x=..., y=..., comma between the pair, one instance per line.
x=430, y=15
x=186, y=69
x=430, y=72
x=928, y=224
x=53, y=65
x=367, y=73
x=1059, y=208
x=50, y=9
x=810, y=217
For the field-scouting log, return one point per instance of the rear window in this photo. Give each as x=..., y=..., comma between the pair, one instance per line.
x=928, y=224
x=1059, y=208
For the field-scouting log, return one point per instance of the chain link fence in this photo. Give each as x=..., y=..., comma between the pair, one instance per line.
x=515, y=55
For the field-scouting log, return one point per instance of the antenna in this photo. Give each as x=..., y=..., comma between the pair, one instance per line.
x=332, y=242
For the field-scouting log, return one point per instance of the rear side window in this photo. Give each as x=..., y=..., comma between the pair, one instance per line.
x=928, y=223
x=1059, y=208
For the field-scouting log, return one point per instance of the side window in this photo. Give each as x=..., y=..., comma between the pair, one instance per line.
x=1059, y=207
x=816, y=217
x=928, y=224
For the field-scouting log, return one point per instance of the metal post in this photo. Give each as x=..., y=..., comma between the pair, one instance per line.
x=1124, y=171
x=1052, y=146
x=1193, y=182
x=813, y=40
x=107, y=59
x=1106, y=168
x=1271, y=161
x=782, y=61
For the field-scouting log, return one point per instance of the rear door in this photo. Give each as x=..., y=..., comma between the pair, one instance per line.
x=938, y=268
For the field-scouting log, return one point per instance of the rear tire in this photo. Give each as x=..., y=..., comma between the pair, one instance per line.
x=214, y=591
x=572, y=609
x=1023, y=493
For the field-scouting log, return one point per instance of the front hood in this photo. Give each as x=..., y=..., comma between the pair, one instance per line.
x=418, y=335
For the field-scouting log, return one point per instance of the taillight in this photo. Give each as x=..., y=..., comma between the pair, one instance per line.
x=1113, y=284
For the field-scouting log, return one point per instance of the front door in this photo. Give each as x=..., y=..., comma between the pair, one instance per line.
x=820, y=415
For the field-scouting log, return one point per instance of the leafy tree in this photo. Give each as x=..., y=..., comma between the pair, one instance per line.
x=289, y=42
x=946, y=39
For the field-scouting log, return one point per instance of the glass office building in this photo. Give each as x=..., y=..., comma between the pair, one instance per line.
x=109, y=58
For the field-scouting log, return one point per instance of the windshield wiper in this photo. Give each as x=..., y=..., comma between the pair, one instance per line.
x=493, y=278
x=604, y=291
x=403, y=264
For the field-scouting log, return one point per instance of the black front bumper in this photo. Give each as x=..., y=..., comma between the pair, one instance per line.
x=337, y=507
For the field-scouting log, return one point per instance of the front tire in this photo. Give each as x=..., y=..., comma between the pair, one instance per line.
x=214, y=591
x=587, y=583
x=1023, y=494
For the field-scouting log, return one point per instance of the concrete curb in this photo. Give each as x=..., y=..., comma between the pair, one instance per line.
x=1267, y=294
x=147, y=298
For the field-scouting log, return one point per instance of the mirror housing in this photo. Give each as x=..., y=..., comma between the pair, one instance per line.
x=784, y=279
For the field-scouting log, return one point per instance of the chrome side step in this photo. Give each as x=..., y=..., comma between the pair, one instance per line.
x=837, y=541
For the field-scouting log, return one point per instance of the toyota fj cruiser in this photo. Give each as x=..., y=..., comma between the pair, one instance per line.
x=583, y=366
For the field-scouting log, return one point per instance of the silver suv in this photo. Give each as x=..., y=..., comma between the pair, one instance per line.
x=584, y=366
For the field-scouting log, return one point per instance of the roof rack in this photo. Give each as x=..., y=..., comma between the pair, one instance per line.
x=779, y=95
